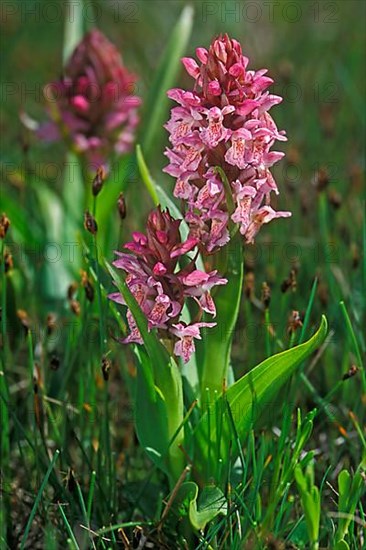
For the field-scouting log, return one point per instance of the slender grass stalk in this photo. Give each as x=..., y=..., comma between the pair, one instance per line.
x=356, y=348
x=4, y=393
x=351, y=334
x=38, y=499
x=84, y=511
x=91, y=495
x=102, y=348
x=326, y=242
x=267, y=324
x=68, y=528
x=308, y=311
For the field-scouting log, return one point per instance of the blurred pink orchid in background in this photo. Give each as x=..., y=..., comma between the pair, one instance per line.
x=162, y=287
x=224, y=123
x=93, y=105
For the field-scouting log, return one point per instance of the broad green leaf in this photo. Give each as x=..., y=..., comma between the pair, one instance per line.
x=226, y=423
x=61, y=259
x=344, y=486
x=166, y=374
x=150, y=412
x=350, y=489
x=73, y=193
x=218, y=340
x=157, y=101
x=341, y=545
x=200, y=508
x=310, y=499
x=211, y=503
x=73, y=27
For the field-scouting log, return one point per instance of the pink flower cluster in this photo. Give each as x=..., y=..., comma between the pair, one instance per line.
x=224, y=122
x=93, y=105
x=162, y=287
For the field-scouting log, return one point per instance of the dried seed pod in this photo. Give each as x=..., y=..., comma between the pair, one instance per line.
x=266, y=295
x=98, y=181
x=24, y=319
x=121, y=205
x=352, y=371
x=293, y=156
x=50, y=323
x=355, y=255
x=75, y=307
x=4, y=225
x=87, y=285
x=294, y=322
x=71, y=290
x=305, y=202
x=8, y=261
x=55, y=362
x=70, y=481
x=327, y=118
x=290, y=282
x=249, y=285
x=356, y=176
x=334, y=199
x=323, y=294
x=321, y=179
x=249, y=262
x=106, y=367
x=90, y=223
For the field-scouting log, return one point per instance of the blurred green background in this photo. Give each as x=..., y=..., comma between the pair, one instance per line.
x=314, y=52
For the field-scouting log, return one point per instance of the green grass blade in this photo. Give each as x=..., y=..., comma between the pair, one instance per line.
x=167, y=381
x=218, y=340
x=38, y=499
x=157, y=100
x=73, y=27
x=258, y=387
x=68, y=528
x=146, y=176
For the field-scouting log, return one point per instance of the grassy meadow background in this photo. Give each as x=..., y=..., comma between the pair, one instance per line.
x=56, y=396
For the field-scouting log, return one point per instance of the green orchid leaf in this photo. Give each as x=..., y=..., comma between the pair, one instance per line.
x=201, y=508
x=60, y=263
x=224, y=426
x=151, y=417
x=310, y=500
x=217, y=340
x=350, y=489
x=157, y=101
x=74, y=27
x=166, y=376
x=211, y=503
x=344, y=486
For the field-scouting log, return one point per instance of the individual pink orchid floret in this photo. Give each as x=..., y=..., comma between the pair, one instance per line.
x=93, y=105
x=184, y=347
x=162, y=286
x=224, y=123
